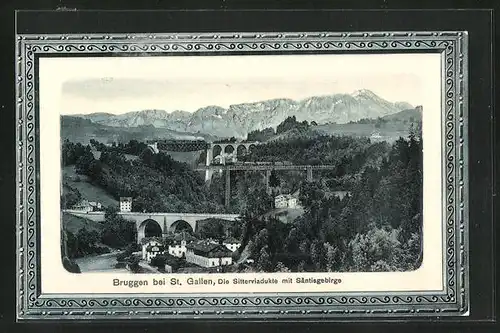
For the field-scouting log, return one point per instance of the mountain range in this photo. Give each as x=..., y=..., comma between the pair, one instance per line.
x=239, y=119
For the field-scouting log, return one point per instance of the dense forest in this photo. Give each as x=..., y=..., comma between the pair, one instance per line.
x=157, y=182
x=376, y=228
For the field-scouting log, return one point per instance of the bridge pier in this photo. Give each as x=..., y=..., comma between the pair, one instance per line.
x=228, y=188
x=266, y=180
x=309, y=177
x=208, y=172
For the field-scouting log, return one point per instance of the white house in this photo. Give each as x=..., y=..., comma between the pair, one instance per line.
x=208, y=254
x=178, y=245
x=95, y=205
x=125, y=204
x=151, y=249
x=177, y=249
x=341, y=194
x=286, y=201
x=87, y=206
x=82, y=206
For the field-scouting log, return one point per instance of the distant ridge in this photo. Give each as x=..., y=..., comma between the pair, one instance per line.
x=239, y=119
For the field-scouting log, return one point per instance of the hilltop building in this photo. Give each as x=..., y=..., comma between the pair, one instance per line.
x=125, y=204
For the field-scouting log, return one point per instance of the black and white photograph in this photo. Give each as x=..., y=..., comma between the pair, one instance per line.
x=242, y=164
x=234, y=175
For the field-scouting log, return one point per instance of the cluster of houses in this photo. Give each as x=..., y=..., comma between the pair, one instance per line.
x=206, y=253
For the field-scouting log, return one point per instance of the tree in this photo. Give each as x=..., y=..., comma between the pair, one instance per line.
x=261, y=135
x=318, y=255
x=264, y=262
x=83, y=162
x=374, y=251
x=133, y=264
x=212, y=228
x=332, y=257
x=281, y=268
x=301, y=266
x=292, y=241
x=291, y=123
x=260, y=241
x=70, y=197
x=274, y=180
x=258, y=202
x=159, y=261
x=117, y=232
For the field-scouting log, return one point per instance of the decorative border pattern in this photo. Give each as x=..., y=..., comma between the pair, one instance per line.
x=31, y=304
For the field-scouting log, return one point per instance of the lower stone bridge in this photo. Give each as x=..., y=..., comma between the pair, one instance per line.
x=157, y=224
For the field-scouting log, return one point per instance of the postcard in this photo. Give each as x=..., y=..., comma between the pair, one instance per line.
x=242, y=175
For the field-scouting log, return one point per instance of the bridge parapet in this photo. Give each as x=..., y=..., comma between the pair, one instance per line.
x=165, y=221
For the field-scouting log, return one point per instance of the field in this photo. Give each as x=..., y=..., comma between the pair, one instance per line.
x=87, y=190
x=74, y=223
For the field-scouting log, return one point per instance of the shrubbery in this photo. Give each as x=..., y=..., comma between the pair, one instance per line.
x=83, y=243
x=117, y=232
x=159, y=261
x=133, y=264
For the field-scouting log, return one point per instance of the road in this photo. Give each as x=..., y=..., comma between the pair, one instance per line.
x=100, y=263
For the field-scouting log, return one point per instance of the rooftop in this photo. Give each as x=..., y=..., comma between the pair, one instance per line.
x=231, y=240
x=212, y=250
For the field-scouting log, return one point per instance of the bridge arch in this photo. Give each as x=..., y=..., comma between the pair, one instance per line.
x=241, y=150
x=149, y=228
x=216, y=149
x=181, y=225
x=228, y=149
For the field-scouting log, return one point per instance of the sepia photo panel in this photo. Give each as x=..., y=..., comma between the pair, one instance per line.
x=242, y=175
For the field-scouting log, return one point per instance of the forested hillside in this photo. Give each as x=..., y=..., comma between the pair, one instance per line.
x=376, y=228
x=155, y=181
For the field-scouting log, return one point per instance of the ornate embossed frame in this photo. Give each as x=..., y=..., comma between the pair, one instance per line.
x=452, y=301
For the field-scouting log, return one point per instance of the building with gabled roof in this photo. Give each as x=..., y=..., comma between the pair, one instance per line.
x=208, y=254
x=231, y=243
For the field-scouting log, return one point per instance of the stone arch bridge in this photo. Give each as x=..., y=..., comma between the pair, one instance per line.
x=214, y=149
x=240, y=148
x=157, y=224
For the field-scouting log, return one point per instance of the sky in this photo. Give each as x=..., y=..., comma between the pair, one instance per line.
x=123, y=84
